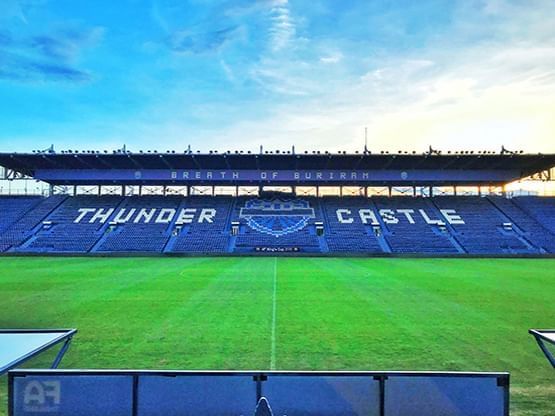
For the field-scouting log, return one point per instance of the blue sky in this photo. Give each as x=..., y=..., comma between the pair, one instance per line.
x=223, y=75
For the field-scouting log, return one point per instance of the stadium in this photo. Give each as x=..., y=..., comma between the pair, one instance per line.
x=362, y=267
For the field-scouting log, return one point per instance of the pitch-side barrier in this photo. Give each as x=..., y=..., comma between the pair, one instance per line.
x=217, y=393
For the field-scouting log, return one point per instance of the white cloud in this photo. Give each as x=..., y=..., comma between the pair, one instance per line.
x=483, y=98
x=454, y=92
x=332, y=58
x=499, y=89
x=228, y=71
x=282, y=29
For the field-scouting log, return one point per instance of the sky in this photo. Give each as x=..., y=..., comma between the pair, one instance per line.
x=234, y=75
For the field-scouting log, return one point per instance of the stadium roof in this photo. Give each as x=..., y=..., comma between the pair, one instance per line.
x=91, y=167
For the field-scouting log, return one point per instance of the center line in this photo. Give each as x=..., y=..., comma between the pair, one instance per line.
x=274, y=307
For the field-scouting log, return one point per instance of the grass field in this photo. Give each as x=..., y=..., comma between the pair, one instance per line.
x=293, y=313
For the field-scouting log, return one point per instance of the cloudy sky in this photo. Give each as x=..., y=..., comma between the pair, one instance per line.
x=223, y=74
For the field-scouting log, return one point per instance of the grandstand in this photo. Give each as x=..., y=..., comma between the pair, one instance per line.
x=129, y=220
x=459, y=320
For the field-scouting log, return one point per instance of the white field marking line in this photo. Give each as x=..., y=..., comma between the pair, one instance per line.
x=274, y=317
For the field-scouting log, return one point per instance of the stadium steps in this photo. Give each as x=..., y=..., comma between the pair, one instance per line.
x=534, y=211
x=233, y=239
x=37, y=203
x=452, y=236
x=326, y=221
x=454, y=241
x=320, y=216
x=25, y=244
x=168, y=247
x=382, y=238
x=64, y=235
x=24, y=231
x=100, y=241
x=323, y=244
x=382, y=241
x=534, y=230
x=517, y=231
x=103, y=234
x=383, y=225
x=24, y=209
x=231, y=244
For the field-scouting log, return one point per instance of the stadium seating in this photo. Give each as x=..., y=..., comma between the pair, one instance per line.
x=141, y=236
x=21, y=230
x=269, y=233
x=13, y=208
x=542, y=209
x=205, y=237
x=61, y=234
x=349, y=237
x=482, y=231
x=536, y=231
x=451, y=225
x=412, y=233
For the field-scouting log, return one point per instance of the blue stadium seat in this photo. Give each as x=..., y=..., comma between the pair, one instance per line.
x=203, y=225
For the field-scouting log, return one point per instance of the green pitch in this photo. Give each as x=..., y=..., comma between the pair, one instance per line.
x=292, y=314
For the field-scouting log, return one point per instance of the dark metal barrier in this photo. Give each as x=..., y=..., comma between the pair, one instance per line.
x=211, y=393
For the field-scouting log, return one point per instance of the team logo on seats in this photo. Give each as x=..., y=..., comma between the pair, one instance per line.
x=277, y=217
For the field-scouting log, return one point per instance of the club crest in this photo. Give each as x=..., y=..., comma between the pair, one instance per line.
x=277, y=217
